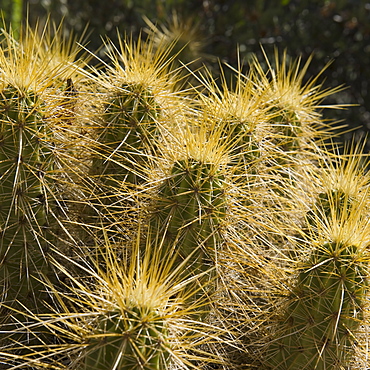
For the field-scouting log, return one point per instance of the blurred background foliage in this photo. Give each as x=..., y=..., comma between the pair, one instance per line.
x=334, y=31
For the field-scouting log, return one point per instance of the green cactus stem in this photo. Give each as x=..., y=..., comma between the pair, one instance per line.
x=245, y=151
x=188, y=213
x=190, y=208
x=25, y=159
x=287, y=126
x=134, y=339
x=324, y=312
x=126, y=138
x=128, y=129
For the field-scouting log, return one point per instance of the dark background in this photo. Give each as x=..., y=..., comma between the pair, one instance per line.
x=337, y=31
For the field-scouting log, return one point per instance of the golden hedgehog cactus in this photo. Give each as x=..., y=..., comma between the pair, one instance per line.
x=221, y=233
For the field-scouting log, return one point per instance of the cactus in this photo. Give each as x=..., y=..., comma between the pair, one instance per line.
x=190, y=208
x=25, y=160
x=182, y=38
x=188, y=212
x=324, y=312
x=136, y=89
x=126, y=140
x=136, y=94
x=238, y=115
x=292, y=106
x=131, y=312
x=31, y=102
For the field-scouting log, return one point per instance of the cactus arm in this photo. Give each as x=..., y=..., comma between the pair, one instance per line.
x=326, y=309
